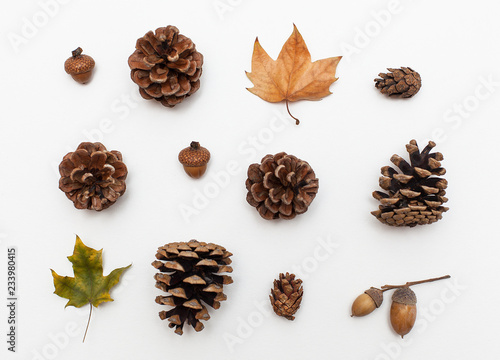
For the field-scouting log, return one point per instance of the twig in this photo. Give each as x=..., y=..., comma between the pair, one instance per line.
x=411, y=283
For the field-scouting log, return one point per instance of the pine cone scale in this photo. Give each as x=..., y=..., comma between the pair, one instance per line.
x=136, y=61
x=80, y=157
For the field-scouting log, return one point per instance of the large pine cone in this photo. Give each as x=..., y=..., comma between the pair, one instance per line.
x=286, y=295
x=92, y=177
x=166, y=66
x=416, y=195
x=281, y=187
x=189, y=272
x=405, y=82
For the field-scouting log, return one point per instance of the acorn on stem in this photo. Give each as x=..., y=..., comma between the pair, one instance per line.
x=79, y=66
x=403, y=310
x=194, y=159
x=365, y=303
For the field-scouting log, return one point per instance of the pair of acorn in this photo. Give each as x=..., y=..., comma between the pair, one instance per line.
x=403, y=307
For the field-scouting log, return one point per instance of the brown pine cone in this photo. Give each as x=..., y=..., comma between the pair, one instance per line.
x=282, y=186
x=92, y=177
x=166, y=66
x=286, y=295
x=416, y=194
x=405, y=82
x=189, y=272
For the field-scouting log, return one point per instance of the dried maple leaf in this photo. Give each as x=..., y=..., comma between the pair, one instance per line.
x=292, y=76
x=88, y=286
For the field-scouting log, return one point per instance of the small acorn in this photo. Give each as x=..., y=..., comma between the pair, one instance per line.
x=79, y=66
x=194, y=159
x=403, y=310
x=365, y=303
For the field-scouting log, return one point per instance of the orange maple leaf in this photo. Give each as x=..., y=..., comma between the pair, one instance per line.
x=292, y=76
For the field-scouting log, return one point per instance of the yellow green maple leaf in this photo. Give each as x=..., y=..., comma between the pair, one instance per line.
x=88, y=286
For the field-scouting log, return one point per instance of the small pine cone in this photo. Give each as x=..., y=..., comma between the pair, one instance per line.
x=404, y=81
x=286, y=295
x=283, y=186
x=166, y=66
x=189, y=273
x=416, y=195
x=92, y=177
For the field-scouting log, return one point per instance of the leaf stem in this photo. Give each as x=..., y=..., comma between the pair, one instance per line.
x=411, y=283
x=88, y=323
x=297, y=121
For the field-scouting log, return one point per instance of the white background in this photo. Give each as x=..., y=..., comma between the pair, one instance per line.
x=346, y=138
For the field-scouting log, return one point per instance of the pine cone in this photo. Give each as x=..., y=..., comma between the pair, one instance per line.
x=166, y=66
x=404, y=81
x=416, y=195
x=189, y=272
x=286, y=295
x=92, y=177
x=281, y=187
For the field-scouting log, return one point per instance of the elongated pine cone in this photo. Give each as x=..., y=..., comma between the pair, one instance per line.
x=282, y=186
x=405, y=82
x=416, y=194
x=286, y=295
x=189, y=272
x=166, y=66
x=93, y=177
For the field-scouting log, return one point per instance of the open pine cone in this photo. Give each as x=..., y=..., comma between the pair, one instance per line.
x=92, y=177
x=166, y=66
x=286, y=295
x=189, y=271
x=282, y=186
x=415, y=196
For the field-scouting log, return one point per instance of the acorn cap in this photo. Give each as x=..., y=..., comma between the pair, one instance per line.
x=376, y=294
x=194, y=155
x=404, y=296
x=78, y=63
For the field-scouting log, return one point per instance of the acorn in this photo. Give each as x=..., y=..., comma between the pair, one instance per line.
x=79, y=66
x=403, y=310
x=194, y=159
x=365, y=303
